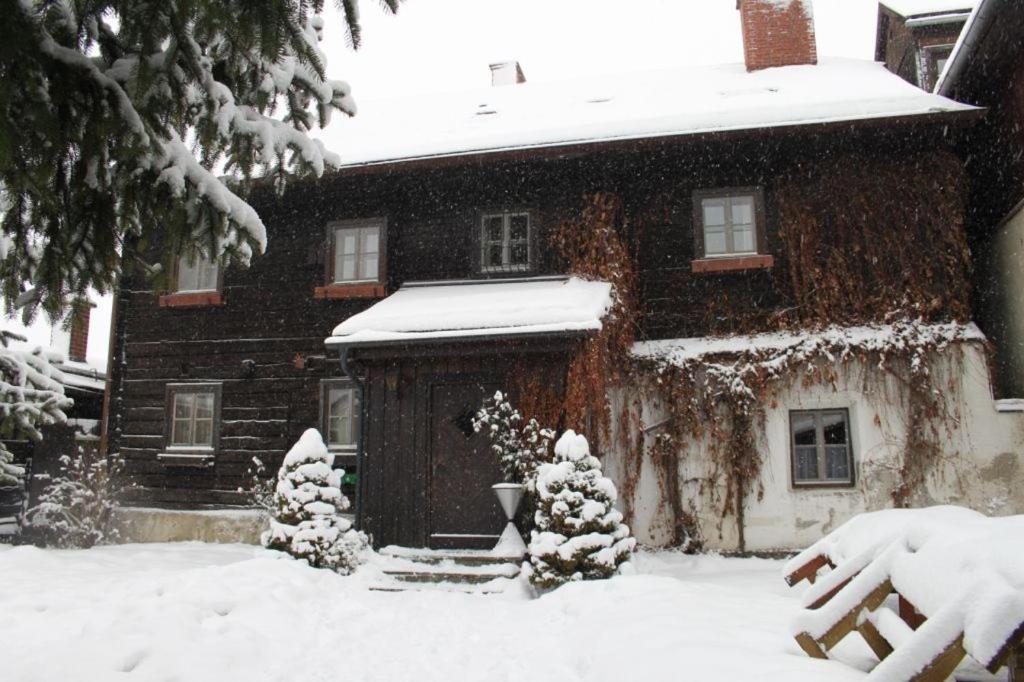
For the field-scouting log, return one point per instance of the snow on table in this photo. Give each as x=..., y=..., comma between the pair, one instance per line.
x=192, y=611
x=962, y=570
x=457, y=310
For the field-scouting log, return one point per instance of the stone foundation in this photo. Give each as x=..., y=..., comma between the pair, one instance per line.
x=138, y=524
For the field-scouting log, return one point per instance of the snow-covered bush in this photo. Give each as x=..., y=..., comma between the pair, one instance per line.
x=579, y=534
x=261, y=489
x=519, y=449
x=307, y=506
x=75, y=508
x=10, y=473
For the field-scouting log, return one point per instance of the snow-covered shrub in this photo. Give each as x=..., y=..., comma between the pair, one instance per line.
x=10, y=473
x=75, y=508
x=579, y=534
x=307, y=506
x=261, y=488
x=519, y=449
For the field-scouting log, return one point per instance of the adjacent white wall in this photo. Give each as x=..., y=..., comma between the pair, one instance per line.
x=1008, y=269
x=980, y=465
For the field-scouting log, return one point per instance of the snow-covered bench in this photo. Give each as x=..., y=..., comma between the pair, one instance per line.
x=962, y=571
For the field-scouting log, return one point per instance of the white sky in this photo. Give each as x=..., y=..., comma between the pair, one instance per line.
x=446, y=45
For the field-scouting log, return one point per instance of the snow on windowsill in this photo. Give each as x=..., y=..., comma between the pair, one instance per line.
x=189, y=458
x=184, y=299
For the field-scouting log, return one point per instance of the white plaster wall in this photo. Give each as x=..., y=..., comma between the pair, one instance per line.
x=980, y=464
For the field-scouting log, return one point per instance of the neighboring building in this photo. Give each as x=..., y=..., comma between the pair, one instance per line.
x=916, y=37
x=429, y=262
x=85, y=385
x=987, y=70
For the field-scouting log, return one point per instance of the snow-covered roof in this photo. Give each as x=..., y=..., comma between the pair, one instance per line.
x=447, y=310
x=916, y=8
x=687, y=101
x=683, y=351
x=81, y=375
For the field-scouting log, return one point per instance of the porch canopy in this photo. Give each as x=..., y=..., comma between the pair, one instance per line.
x=476, y=309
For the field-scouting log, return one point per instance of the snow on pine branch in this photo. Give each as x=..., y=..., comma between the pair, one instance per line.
x=132, y=118
x=31, y=390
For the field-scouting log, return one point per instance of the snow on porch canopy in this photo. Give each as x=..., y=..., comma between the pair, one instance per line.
x=460, y=310
x=629, y=106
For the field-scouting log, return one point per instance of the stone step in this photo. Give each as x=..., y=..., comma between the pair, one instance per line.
x=438, y=577
x=457, y=557
x=461, y=588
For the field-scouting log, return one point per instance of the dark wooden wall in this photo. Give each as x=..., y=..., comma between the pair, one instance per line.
x=270, y=316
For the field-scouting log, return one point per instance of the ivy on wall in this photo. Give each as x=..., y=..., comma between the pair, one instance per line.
x=863, y=241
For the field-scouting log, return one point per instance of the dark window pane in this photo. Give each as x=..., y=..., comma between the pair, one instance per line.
x=518, y=227
x=494, y=229
x=803, y=429
x=805, y=463
x=492, y=256
x=834, y=427
x=519, y=254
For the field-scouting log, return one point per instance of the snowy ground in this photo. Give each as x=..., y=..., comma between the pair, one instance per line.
x=194, y=611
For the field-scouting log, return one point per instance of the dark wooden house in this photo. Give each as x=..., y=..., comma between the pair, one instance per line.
x=439, y=229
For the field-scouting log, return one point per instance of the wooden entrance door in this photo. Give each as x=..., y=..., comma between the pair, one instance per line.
x=464, y=512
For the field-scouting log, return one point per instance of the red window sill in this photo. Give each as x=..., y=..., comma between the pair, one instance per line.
x=337, y=291
x=192, y=300
x=759, y=262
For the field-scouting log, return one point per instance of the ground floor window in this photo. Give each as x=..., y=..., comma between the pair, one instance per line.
x=821, y=448
x=340, y=409
x=193, y=416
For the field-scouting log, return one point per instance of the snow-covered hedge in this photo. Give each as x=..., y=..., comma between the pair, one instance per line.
x=307, y=521
x=76, y=507
x=579, y=534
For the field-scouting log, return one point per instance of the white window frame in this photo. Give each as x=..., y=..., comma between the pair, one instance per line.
x=176, y=391
x=928, y=64
x=820, y=445
x=355, y=413
x=727, y=199
x=200, y=266
x=506, y=242
x=360, y=228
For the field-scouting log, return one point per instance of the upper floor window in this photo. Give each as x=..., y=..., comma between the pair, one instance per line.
x=196, y=273
x=933, y=62
x=727, y=222
x=357, y=251
x=340, y=409
x=505, y=242
x=193, y=416
x=821, y=449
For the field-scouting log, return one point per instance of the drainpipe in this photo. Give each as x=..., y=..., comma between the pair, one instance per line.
x=360, y=455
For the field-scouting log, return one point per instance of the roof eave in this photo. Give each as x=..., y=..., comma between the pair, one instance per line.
x=571, y=148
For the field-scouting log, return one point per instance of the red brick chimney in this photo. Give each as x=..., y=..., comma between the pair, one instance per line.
x=777, y=33
x=79, y=343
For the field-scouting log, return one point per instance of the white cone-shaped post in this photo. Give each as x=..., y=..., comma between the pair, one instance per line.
x=510, y=544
